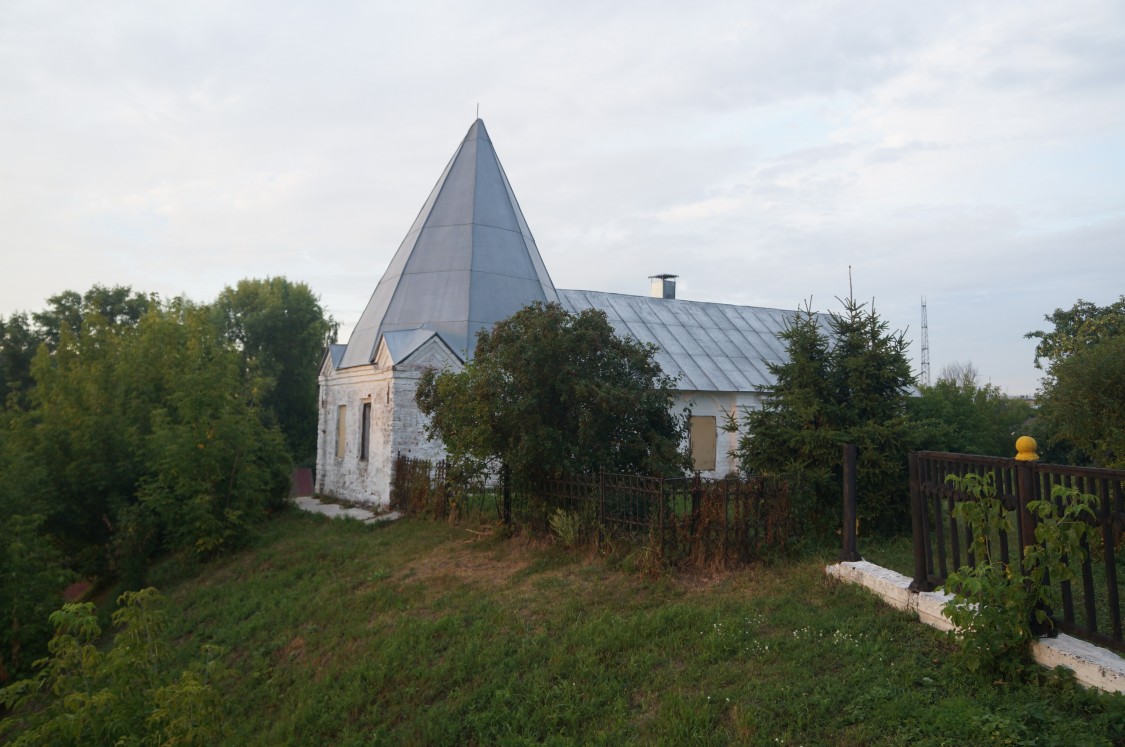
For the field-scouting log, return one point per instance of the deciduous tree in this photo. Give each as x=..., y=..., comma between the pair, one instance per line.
x=142, y=437
x=281, y=330
x=1082, y=395
x=1082, y=326
x=549, y=392
x=960, y=414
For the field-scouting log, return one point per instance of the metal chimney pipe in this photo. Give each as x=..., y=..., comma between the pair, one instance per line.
x=663, y=286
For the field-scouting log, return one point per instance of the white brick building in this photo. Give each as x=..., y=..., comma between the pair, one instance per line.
x=469, y=261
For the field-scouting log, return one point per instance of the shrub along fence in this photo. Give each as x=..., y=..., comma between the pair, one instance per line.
x=693, y=520
x=941, y=542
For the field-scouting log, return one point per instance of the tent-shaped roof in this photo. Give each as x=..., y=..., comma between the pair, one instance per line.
x=468, y=261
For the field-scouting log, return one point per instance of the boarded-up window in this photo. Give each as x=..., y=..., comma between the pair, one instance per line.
x=341, y=434
x=704, y=439
x=365, y=430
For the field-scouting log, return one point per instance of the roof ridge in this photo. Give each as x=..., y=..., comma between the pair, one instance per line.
x=675, y=300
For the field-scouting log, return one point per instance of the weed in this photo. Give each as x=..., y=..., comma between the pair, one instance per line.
x=996, y=606
x=567, y=527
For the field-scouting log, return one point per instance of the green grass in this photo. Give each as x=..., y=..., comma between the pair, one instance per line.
x=425, y=633
x=896, y=553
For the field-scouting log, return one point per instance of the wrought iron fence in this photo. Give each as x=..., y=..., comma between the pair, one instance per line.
x=423, y=488
x=943, y=544
x=712, y=522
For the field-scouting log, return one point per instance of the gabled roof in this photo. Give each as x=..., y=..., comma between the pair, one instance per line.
x=402, y=343
x=337, y=352
x=710, y=347
x=333, y=352
x=468, y=261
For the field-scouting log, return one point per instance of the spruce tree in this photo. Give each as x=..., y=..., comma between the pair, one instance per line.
x=845, y=380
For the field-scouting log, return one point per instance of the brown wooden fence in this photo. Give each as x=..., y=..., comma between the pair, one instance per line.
x=1092, y=608
x=713, y=522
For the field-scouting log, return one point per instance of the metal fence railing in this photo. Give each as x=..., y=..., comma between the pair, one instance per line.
x=1091, y=608
x=721, y=521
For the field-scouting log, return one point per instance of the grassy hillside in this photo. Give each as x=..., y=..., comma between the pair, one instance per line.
x=423, y=633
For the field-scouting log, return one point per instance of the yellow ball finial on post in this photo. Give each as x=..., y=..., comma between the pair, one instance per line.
x=1025, y=449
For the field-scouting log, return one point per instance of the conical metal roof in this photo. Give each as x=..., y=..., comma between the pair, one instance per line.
x=468, y=261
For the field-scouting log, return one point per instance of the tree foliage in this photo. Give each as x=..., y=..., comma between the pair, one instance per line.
x=281, y=330
x=1082, y=404
x=31, y=574
x=132, y=427
x=126, y=694
x=1084, y=325
x=549, y=392
x=18, y=343
x=21, y=335
x=960, y=414
x=147, y=436
x=845, y=381
x=1082, y=395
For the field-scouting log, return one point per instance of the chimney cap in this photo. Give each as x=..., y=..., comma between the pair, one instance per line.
x=662, y=276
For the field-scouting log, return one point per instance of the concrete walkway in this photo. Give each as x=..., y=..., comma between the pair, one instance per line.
x=331, y=510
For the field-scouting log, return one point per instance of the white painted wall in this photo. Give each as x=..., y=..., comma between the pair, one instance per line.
x=399, y=427
x=719, y=405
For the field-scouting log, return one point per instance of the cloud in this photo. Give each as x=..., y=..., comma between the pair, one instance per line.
x=968, y=152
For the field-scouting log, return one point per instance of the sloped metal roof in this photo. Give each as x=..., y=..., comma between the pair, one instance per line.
x=337, y=352
x=468, y=261
x=709, y=347
x=404, y=342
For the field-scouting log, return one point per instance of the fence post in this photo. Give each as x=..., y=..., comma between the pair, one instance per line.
x=1026, y=456
x=601, y=497
x=696, y=501
x=849, y=551
x=506, y=491
x=442, y=487
x=921, y=580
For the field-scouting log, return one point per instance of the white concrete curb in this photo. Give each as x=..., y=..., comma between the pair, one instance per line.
x=332, y=511
x=1092, y=665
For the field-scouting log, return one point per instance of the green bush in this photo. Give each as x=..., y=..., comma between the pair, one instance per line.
x=995, y=604
x=125, y=695
x=32, y=577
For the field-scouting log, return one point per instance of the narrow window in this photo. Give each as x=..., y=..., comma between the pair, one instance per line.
x=365, y=431
x=704, y=439
x=341, y=434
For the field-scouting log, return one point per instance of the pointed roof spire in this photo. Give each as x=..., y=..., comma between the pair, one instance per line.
x=468, y=261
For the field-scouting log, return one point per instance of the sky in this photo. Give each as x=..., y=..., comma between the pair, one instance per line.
x=969, y=153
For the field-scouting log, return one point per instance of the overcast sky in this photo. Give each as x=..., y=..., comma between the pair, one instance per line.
x=972, y=153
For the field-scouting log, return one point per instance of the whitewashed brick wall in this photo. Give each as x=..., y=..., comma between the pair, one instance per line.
x=399, y=427
x=718, y=405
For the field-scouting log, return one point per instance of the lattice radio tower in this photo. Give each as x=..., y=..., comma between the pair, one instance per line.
x=925, y=375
